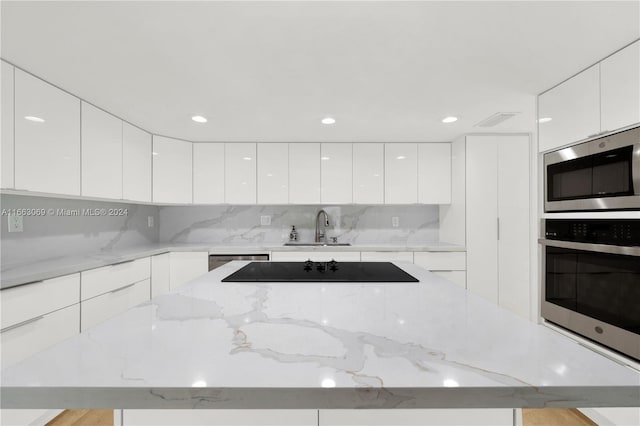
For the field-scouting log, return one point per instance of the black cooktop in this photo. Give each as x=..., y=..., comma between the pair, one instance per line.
x=339, y=272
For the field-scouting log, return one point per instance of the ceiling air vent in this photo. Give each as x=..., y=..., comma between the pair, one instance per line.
x=496, y=119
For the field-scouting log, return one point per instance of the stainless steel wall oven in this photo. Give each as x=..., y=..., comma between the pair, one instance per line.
x=591, y=280
x=602, y=174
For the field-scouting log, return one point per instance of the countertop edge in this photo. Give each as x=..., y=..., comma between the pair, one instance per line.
x=320, y=398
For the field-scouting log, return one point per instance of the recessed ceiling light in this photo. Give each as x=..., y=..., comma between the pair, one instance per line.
x=328, y=120
x=199, y=119
x=154, y=153
x=544, y=119
x=400, y=157
x=449, y=119
x=325, y=158
x=34, y=119
x=247, y=158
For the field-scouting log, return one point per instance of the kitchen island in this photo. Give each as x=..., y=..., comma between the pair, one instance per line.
x=213, y=345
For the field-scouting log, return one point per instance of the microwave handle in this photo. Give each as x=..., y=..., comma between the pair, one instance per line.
x=635, y=169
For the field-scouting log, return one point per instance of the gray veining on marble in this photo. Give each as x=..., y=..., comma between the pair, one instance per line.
x=313, y=345
x=351, y=224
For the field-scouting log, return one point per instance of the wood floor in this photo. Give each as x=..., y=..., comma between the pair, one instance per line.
x=530, y=417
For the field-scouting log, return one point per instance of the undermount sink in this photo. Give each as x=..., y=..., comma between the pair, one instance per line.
x=295, y=243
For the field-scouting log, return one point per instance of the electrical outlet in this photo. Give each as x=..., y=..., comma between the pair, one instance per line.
x=265, y=220
x=16, y=223
x=395, y=221
x=150, y=221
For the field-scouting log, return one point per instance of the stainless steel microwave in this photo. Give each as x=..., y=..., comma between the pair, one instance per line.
x=602, y=174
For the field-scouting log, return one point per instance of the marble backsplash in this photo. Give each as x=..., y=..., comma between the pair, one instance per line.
x=351, y=224
x=60, y=233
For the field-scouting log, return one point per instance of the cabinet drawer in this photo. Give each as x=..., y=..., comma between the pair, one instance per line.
x=102, y=280
x=220, y=417
x=316, y=256
x=103, y=307
x=441, y=260
x=456, y=277
x=32, y=300
x=387, y=256
x=186, y=266
x=34, y=336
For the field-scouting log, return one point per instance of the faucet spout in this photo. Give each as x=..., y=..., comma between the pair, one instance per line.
x=320, y=236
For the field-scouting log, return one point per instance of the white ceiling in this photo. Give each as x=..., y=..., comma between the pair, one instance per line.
x=269, y=71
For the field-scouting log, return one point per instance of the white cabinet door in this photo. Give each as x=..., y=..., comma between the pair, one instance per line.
x=136, y=163
x=386, y=256
x=240, y=173
x=401, y=173
x=513, y=211
x=172, y=170
x=25, y=302
x=456, y=277
x=6, y=93
x=434, y=173
x=368, y=173
x=336, y=166
x=186, y=266
x=109, y=278
x=101, y=153
x=273, y=173
x=417, y=417
x=208, y=173
x=25, y=339
x=101, y=308
x=316, y=256
x=47, y=137
x=160, y=274
x=574, y=110
x=620, y=88
x=304, y=173
x=482, y=217
x=220, y=417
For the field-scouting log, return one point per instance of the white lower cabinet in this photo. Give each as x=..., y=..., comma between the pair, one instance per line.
x=386, y=256
x=416, y=417
x=110, y=278
x=316, y=256
x=160, y=274
x=220, y=417
x=27, y=417
x=186, y=266
x=105, y=306
x=450, y=265
x=26, y=338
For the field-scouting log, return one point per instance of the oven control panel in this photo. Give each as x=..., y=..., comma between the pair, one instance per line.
x=619, y=232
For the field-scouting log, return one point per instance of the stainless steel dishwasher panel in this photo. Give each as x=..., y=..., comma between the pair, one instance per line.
x=217, y=260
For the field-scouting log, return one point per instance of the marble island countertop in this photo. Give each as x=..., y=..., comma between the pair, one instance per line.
x=313, y=345
x=12, y=275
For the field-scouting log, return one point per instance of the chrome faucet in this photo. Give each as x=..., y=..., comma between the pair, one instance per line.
x=320, y=236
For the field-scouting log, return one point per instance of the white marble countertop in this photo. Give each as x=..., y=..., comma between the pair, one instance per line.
x=313, y=345
x=18, y=274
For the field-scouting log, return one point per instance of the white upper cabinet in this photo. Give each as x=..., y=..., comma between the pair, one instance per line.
x=6, y=92
x=574, y=110
x=136, y=163
x=304, y=173
x=434, y=173
x=336, y=173
x=401, y=173
x=240, y=173
x=101, y=153
x=273, y=173
x=47, y=137
x=368, y=173
x=620, y=88
x=172, y=170
x=208, y=173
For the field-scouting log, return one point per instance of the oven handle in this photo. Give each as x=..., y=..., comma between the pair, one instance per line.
x=600, y=248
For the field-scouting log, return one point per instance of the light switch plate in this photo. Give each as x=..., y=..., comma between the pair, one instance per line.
x=265, y=220
x=150, y=221
x=16, y=223
x=395, y=221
